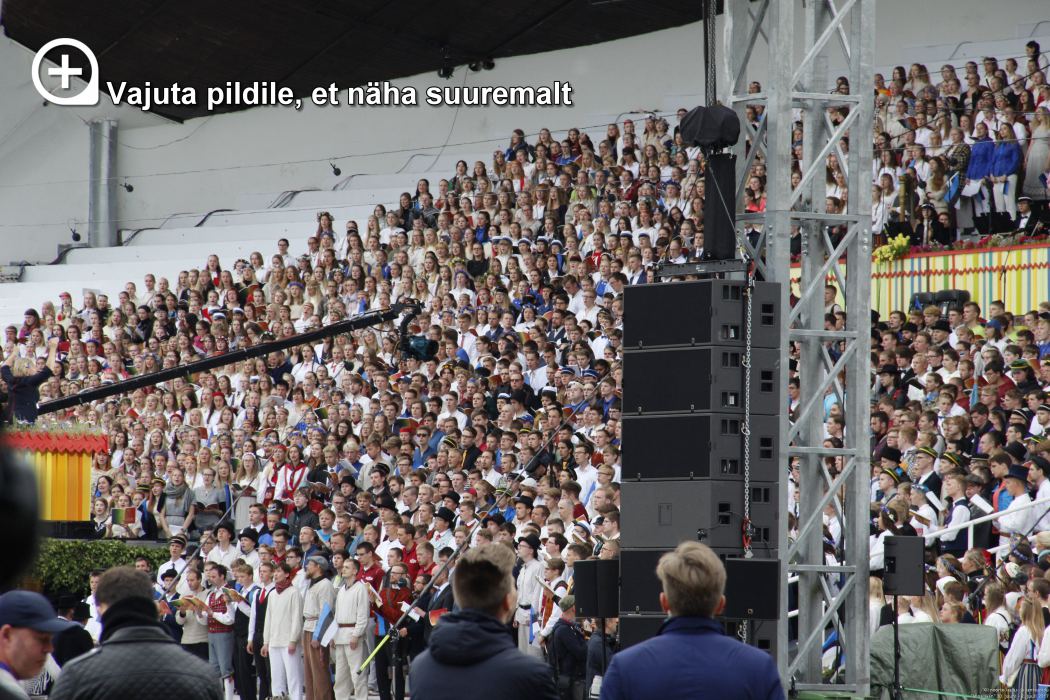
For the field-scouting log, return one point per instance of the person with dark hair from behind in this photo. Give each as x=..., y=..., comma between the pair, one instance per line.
x=137, y=657
x=473, y=649
x=27, y=623
x=691, y=651
x=74, y=641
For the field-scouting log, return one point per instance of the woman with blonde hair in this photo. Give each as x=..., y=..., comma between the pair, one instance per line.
x=23, y=380
x=1021, y=672
x=1037, y=159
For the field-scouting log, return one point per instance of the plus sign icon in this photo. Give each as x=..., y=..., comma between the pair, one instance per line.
x=70, y=50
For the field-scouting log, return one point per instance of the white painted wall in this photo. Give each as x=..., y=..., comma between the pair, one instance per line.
x=214, y=162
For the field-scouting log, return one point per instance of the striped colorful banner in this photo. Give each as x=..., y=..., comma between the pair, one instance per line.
x=63, y=471
x=1019, y=276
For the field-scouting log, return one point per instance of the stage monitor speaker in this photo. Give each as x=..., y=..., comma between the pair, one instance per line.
x=700, y=445
x=662, y=514
x=718, y=314
x=639, y=587
x=596, y=587
x=904, y=566
x=752, y=589
x=720, y=207
x=705, y=378
x=635, y=629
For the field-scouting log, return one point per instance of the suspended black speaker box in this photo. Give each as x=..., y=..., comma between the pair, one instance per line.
x=720, y=207
x=700, y=379
x=664, y=513
x=700, y=445
x=717, y=314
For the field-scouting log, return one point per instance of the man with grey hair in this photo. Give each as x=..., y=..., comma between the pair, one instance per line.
x=691, y=651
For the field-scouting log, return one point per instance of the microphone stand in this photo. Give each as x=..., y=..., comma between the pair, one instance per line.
x=897, y=691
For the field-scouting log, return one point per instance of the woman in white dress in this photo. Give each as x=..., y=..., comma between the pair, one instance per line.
x=1037, y=161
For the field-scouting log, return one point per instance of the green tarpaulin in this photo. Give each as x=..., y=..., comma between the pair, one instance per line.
x=952, y=659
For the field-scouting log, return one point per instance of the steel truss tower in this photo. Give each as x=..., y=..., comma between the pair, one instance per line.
x=799, y=36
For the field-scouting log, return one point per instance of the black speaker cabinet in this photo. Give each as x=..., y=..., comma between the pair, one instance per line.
x=639, y=586
x=701, y=379
x=761, y=634
x=719, y=211
x=904, y=566
x=717, y=313
x=699, y=445
x=752, y=589
x=664, y=513
x=635, y=629
x=596, y=587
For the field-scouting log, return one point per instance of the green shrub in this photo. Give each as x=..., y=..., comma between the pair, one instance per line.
x=65, y=565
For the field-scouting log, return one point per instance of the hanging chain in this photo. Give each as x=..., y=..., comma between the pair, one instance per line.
x=745, y=431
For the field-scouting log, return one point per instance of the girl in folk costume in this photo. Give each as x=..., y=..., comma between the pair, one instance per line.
x=1021, y=672
x=268, y=478
x=554, y=577
x=290, y=476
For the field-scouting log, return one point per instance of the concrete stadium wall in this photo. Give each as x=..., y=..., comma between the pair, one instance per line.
x=187, y=167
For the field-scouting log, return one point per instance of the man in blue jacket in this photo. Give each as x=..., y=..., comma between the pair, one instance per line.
x=691, y=657
x=472, y=652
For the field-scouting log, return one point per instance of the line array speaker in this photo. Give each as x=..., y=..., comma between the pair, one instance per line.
x=665, y=513
x=719, y=314
x=700, y=445
x=701, y=379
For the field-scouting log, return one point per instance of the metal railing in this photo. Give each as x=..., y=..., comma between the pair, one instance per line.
x=969, y=524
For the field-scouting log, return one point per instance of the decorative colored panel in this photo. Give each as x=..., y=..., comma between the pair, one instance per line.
x=62, y=464
x=1020, y=276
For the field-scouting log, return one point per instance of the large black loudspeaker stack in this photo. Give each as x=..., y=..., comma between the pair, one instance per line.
x=683, y=458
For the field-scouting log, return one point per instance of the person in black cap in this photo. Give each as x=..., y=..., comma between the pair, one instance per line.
x=924, y=460
x=530, y=591
x=941, y=330
x=137, y=657
x=27, y=625
x=1025, y=220
x=1016, y=520
x=890, y=385
x=75, y=640
x=442, y=536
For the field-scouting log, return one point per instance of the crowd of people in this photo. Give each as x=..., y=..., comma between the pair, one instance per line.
x=959, y=154
x=308, y=496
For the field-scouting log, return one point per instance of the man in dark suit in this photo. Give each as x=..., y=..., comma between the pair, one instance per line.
x=1026, y=219
x=74, y=641
x=417, y=628
x=441, y=597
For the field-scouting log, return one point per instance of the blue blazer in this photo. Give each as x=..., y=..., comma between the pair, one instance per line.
x=692, y=659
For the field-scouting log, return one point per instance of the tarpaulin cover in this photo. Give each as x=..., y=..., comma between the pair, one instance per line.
x=956, y=658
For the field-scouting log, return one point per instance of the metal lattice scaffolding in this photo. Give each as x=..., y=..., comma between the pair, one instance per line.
x=798, y=37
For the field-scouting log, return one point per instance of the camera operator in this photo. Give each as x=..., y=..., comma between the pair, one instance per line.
x=567, y=652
